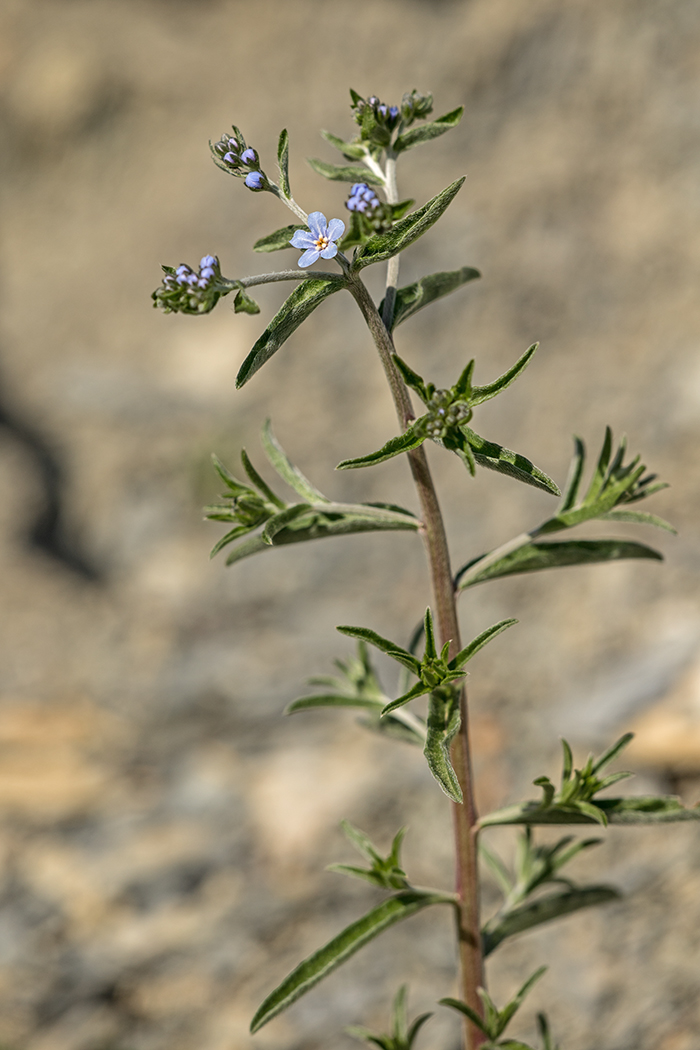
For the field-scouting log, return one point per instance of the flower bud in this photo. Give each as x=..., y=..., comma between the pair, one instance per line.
x=255, y=180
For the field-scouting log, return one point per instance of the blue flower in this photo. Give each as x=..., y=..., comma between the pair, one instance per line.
x=249, y=156
x=255, y=181
x=320, y=241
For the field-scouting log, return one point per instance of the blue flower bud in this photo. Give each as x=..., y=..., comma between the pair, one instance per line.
x=207, y=272
x=249, y=156
x=230, y=158
x=393, y=112
x=255, y=180
x=207, y=260
x=182, y=269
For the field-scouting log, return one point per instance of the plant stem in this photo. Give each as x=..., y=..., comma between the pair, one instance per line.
x=465, y=817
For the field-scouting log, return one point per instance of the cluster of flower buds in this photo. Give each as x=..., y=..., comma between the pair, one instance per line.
x=363, y=201
x=189, y=291
x=377, y=120
x=232, y=155
x=444, y=414
x=415, y=106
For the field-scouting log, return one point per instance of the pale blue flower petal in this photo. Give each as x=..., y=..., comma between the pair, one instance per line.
x=302, y=239
x=310, y=256
x=336, y=229
x=330, y=251
x=317, y=224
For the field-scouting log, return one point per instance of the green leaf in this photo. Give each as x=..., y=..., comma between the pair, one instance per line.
x=479, y=642
x=411, y=438
x=306, y=703
x=230, y=481
x=419, y=689
x=260, y=482
x=274, y=242
x=285, y=468
x=485, y=393
x=495, y=457
x=533, y=557
x=457, y=1004
x=383, y=644
x=573, y=481
x=637, y=809
x=296, y=308
x=413, y=297
x=399, y=210
x=349, y=149
x=638, y=517
x=509, y=1011
x=544, y=909
x=425, y=132
x=280, y=521
x=345, y=172
x=283, y=162
x=243, y=550
x=443, y=725
x=382, y=246
x=327, y=959
x=243, y=304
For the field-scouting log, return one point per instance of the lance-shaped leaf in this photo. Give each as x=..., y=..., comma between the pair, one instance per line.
x=544, y=909
x=426, y=132
x=351, y=150
x=504, y=461
x=411, y=438
x=286, y=469
x=495, y=1021
x=296, y=308
x=636, y=809
x=533, y=557
x=479, y=642
x=274, y=242
x=443, y=724
x=404, y=232
x=413, y=297
x=384, y=645
x=485, y=393
x=320, y=963
x=283, y=162
x=243, y=303
x=638, y=517
x=344, y=172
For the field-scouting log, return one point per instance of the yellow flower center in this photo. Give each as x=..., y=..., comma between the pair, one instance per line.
x=321, y=243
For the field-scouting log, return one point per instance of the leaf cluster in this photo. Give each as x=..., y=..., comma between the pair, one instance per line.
x=614, y=485
x=253, y=504
x=403, y=1034
x=445, y=422
x=358, y=686
x=436, y=675
x=385, y=872
x=536, y=867
x=494, y=1022
x=576, y=801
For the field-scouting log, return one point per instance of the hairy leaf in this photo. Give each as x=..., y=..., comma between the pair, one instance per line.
x=533, y=557
x=413, y=297
x=352, y=150
x=425, y=132
x=544, y=909
x=344, y=172
x=296, y=308
x=286, y=469
x=283, y=162
x=411, y=438
x=443, y=725
x=495, y=457
x=637, y=809
x=485, y=393
x=382, y=246
x=274, y=242
x=327, y=959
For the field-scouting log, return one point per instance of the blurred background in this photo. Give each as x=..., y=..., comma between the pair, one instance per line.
x=163, y=830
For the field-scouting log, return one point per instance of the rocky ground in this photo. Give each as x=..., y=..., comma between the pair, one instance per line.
x=163, y=830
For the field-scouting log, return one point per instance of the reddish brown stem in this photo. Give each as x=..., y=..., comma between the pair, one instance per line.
x=465, y=817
